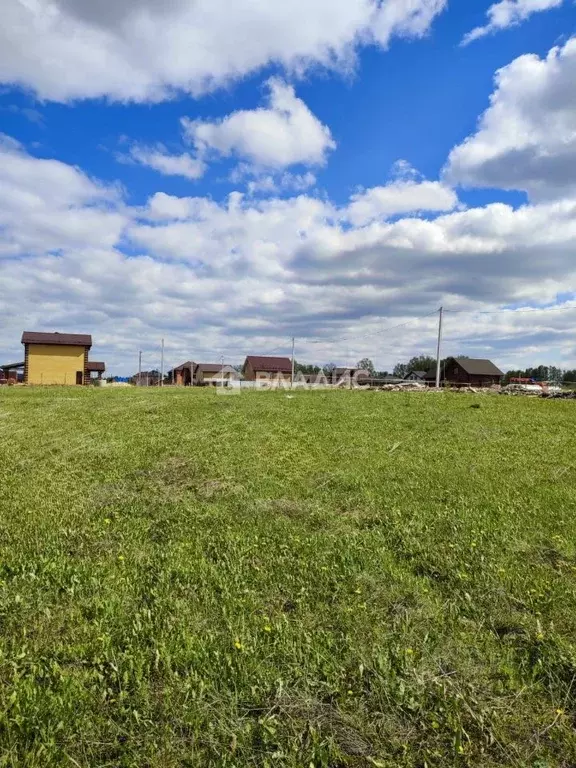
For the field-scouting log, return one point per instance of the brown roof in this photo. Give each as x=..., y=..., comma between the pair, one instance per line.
x=472, y=366
x=94, y=366
x=69, y=339
x=271, y=364
x=478, y=367
x=189, y=364
x=210, y=367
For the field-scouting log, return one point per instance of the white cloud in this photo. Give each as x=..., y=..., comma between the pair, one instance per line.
x=142, y=51
x=243, y=275
x=399, y=197
x=260, y=182
x=526, y=139
x=162, y=161
x=282, y=134
x=47, y=205
x=509, y=13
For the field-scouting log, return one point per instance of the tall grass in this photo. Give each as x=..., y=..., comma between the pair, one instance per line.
x=333, y=579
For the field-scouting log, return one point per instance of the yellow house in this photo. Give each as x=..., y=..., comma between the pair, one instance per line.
x=56, y=358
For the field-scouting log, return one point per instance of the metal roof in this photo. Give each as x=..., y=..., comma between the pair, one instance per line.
x=473, y=366
x=478, y=366
x=272, y=364
x=95, y=366
x=213, y=368
x=189, y=364
x=67, y=339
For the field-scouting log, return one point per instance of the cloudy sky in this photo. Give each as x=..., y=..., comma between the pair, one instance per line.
x=227, y=174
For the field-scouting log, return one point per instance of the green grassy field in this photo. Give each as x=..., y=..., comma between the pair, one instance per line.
x=334, y=579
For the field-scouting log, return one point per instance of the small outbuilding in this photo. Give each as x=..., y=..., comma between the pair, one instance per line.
x=95, y=367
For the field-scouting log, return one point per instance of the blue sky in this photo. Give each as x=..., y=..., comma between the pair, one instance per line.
x=368, y=197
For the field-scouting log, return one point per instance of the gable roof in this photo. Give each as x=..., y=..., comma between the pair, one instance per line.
x=214, y=368
x=188, y=364
x=68, y=339
x=271, y=364
x=420, y=374
x=478, y=366
x=473, y=366
x=93, y=365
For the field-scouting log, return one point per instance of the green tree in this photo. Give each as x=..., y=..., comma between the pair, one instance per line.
x=400, y=370
x=301, y=368
x=366, y=365
x=421, y=363
x=417, y=363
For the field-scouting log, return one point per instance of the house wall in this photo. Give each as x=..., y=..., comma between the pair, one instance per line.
x=54, y=364
x=275, y=375
x=251, y=375
x=217, y=374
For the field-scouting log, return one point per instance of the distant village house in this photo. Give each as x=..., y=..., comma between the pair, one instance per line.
x=462, y=371
x=259, y=368
x=202, y=374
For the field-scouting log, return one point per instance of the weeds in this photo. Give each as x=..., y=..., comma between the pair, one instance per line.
x=338, y=579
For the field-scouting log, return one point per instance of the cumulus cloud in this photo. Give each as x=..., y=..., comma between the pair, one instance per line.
x=48, y=205
x=282, y=134
x=509, y=13
x=399, y=197
x=143, y=51
x=168, y=164
x=526, y=139
x=243, y=275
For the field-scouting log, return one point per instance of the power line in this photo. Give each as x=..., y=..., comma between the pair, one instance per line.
x=373, y=333
x=508, y=311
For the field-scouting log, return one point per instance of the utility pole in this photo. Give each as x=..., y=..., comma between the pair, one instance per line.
x=140, y=368
x=440, y=312
x=162, y=365
x=222, y=371
x=292, y=373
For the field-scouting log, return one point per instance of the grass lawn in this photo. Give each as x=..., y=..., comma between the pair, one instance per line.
x=334, y=579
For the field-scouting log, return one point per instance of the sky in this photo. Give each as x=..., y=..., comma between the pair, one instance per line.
x=228, y=175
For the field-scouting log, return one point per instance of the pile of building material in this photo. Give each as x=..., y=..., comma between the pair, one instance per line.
x=522, y=389
x=532, y=390
x=558, y=394
x=403, y=386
